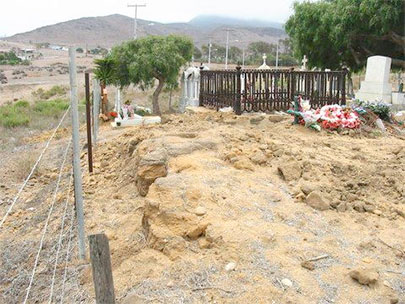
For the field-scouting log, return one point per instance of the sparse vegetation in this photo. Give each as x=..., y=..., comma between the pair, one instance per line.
x=22, y=113
x=53, y=107
x=13, y=116
x=9, y=58
x=55, y=91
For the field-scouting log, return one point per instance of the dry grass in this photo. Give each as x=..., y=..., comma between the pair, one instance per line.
x=23, y=167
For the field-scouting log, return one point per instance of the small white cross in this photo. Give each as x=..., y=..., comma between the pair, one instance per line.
x=304, y=63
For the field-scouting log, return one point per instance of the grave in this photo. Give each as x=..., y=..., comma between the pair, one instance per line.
x=127, y=117
x=190, y=83
x=376, y=86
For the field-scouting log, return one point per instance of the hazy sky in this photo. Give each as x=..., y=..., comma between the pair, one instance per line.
x=18, y=16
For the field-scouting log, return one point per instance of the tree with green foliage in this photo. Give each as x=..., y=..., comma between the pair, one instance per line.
x=149, y=59
x=235, y=54
x=337, y=33
x=260, y=47
x=9, y=58
x=104, y=72
x=197, y=53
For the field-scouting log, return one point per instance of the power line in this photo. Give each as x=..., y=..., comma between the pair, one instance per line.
x=33, y=169
x=47, y=222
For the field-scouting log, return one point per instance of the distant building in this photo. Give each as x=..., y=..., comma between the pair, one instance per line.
x=26, y=54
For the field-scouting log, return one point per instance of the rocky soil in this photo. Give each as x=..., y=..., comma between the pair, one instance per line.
x=213, y=208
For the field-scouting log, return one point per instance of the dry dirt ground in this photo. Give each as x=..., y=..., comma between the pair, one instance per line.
x=209, y=207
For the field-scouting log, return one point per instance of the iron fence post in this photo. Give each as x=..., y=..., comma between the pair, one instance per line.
x=200, y=97
x=237, y=105
x=344, y=86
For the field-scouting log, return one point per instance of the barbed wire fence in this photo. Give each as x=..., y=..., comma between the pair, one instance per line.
x=38, y=253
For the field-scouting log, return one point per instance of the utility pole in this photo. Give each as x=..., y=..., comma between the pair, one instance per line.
x=209, y=53
x=136, y=17
x=77, y=173
x=227, y=49
x=277, y=54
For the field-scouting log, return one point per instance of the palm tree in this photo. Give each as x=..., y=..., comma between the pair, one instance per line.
x=104, y=72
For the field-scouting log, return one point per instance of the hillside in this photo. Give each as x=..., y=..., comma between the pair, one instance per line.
x=109, y=30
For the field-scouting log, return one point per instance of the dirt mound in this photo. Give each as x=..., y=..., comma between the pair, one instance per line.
x=209, y=207
x=216, y=207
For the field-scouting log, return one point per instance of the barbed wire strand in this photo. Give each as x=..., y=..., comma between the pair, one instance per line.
x=33, y=169
x=67, y=253
x=62, y=226
x=46, y=223
x=68, y=249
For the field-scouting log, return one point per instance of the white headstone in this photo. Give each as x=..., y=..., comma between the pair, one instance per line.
x=376, y=86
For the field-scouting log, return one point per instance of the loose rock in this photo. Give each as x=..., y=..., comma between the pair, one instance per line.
x=308, y=265
x=230, y=266
x=290, y=170
x=364, y=276
x=200, y=211
x=286, y=282
x=314, y=199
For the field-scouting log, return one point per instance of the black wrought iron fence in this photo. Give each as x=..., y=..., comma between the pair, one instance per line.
x=268, y=90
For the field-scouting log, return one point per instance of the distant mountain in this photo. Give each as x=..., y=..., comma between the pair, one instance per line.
x=109, y=30
x=209, y=21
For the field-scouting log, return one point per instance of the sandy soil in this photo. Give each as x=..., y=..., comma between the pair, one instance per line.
x=232, y=219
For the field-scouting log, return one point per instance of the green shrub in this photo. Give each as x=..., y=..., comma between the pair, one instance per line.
x=22, y=104
x=12, y=116
x=51, y=107
x=9, y=58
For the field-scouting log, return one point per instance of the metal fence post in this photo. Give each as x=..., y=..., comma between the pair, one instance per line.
x=88, y=122
x=344, y=86
x=96, y=108
x=76, y=152
x=237, y=105
x=202, y=92
x=101, y=268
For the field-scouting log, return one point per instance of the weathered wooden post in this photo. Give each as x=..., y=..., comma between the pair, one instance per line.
x=88, y=122
x=101, y=269
x=237, y=105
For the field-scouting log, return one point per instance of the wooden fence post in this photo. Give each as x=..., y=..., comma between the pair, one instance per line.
x=101, y=268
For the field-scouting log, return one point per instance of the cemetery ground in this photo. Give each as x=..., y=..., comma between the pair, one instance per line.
x=209, y=207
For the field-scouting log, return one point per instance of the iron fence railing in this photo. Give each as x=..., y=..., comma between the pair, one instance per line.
x=268, y=90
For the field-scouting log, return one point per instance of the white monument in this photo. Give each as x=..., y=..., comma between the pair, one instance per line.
x=191, y=87
x=376, y=86
x=264, y=66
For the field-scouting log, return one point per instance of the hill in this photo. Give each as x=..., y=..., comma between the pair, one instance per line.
x=109, y=30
